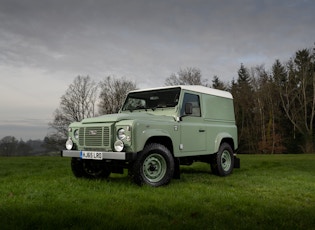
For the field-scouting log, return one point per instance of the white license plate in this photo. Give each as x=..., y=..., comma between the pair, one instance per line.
x=91, y=155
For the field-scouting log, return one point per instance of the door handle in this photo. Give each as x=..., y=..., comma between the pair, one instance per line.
x=201, y=130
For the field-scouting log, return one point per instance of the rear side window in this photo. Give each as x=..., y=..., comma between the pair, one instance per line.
x=195, y=101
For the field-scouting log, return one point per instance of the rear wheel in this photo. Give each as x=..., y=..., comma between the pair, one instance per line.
x=222, y=163
x=92, y=169
x=154, y=166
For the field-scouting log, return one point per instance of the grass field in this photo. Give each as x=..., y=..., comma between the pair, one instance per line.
x=268, y=192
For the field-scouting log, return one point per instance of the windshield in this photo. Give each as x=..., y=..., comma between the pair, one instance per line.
x=162, y=98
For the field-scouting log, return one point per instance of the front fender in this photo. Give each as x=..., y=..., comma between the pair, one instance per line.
x=147, y=134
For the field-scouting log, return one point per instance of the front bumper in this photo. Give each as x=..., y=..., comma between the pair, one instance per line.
x=126, y=156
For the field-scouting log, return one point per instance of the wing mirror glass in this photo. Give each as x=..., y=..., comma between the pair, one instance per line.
x=188, y=108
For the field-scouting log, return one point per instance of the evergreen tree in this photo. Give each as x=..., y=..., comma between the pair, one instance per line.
x=243, y=99
x=218, y=84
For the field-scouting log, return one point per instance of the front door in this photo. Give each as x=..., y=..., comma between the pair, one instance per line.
x=193, y=132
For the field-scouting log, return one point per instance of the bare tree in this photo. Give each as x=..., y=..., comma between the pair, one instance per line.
x=267, y=112
x=188, y=76
x=113, y=93
x=76, y=104
x=297, y=93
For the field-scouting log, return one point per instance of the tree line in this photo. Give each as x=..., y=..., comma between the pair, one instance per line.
x=10, y=146
x=274, y=108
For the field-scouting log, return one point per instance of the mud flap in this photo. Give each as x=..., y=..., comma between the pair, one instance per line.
x=237, y=162
x=177, y=169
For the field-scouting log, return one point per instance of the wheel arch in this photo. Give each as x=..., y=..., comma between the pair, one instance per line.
x=164, y=140
x=224, y=138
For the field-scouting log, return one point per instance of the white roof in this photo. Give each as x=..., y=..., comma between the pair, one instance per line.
x=195, y=88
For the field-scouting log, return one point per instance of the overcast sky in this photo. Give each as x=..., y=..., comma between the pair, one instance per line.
x=45, y=44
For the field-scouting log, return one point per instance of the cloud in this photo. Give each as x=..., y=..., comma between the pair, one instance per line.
x=45, y=44
x=125, y=36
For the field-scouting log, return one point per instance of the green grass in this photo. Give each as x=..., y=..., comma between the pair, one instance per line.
x=268, y=192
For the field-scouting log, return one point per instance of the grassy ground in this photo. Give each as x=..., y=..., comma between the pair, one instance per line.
x=268, y=192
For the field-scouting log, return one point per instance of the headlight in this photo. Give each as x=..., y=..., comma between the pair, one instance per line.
x=119, y=146
x=76, y=134
x=121, y=134
x=69, y=144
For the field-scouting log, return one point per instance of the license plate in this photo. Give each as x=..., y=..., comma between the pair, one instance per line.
x=91, y=155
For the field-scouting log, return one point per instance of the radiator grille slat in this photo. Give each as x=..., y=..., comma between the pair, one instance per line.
x=106, y=136
x=81, y=136
x=93, y=136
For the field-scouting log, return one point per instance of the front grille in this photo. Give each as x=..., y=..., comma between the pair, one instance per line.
x=94, y=136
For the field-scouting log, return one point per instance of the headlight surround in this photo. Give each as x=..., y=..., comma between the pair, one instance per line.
x=121, y=134
x=69, y=144
x=76, y=134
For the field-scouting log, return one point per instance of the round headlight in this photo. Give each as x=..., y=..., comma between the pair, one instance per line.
x=119, y=146
x=76, y=134
x=121, y=134
x=69, y=144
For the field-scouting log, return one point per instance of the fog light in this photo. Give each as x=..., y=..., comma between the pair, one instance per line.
x=69, y=144
x=119, y=146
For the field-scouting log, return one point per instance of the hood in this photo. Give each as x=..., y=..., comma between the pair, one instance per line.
x=126, y=116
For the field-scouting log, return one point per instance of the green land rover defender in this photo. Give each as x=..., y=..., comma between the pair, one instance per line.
x=155, y=132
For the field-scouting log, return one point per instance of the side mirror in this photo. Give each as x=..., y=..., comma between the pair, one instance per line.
x=188, y=108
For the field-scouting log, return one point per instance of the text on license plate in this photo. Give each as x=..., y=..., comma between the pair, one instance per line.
x=91, y=155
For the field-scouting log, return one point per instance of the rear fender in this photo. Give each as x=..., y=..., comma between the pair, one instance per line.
x=218, y=140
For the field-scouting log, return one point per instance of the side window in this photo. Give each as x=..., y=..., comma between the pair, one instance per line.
x=195, y=101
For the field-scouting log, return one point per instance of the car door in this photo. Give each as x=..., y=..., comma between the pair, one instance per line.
x=193, y=132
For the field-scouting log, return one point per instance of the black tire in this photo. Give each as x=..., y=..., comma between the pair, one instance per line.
x=91, y=169
x=222, y=163
x=214, y=165
x=154, y=166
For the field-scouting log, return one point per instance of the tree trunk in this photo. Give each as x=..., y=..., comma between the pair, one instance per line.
x=309, y=146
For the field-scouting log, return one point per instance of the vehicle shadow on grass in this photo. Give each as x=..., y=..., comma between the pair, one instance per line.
x=191, y=170
x=199, y=171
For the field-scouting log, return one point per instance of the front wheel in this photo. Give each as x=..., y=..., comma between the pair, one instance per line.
x=92, y=169
x=154, y=166
x=223, y=162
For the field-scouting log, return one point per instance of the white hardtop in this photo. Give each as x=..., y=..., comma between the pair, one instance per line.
x=195, y=88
